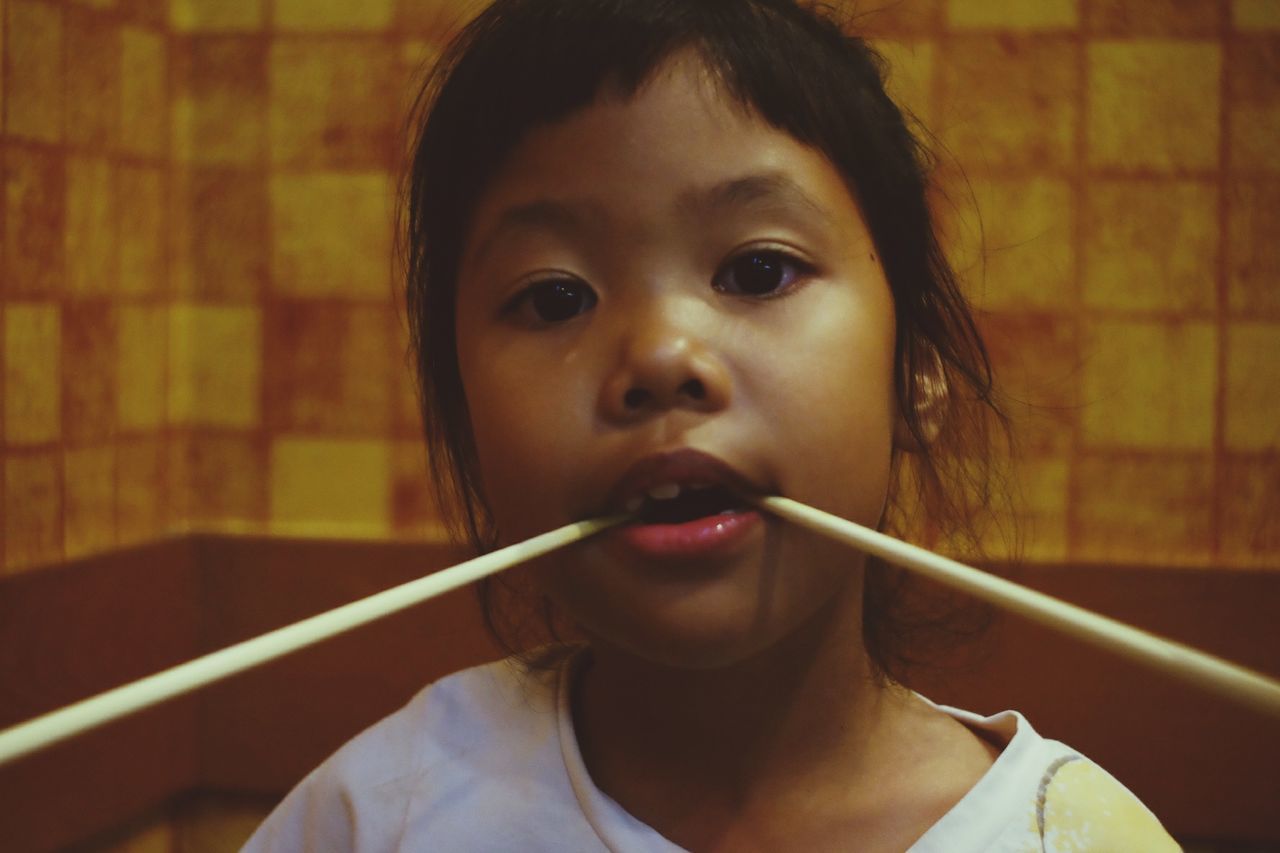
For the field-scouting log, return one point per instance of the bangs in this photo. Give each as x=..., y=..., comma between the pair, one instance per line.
x=524, y=63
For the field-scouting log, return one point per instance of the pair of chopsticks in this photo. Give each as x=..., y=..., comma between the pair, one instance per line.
x=1204, y=670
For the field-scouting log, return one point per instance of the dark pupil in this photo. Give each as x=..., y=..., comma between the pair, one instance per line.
x=558, y=300
x=758, y=274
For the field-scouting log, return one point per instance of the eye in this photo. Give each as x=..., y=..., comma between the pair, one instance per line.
x=760, y=272
x=553, y=301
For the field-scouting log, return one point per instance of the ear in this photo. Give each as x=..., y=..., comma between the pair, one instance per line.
x=930, y=393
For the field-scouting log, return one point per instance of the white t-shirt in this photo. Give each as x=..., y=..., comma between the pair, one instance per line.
x=487, y=760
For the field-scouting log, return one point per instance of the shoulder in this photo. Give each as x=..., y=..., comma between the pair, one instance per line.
x=364, y=795
x=1080, y=806
x=1041, y=794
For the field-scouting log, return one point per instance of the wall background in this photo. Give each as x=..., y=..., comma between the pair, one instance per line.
x=199, y=324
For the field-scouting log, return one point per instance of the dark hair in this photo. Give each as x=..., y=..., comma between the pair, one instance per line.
x=525, y=63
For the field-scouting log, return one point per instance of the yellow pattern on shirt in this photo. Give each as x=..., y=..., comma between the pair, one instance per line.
x=1087, y=810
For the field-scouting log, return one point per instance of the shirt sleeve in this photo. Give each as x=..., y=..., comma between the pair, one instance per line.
x=315, y=816
x=1083, y=808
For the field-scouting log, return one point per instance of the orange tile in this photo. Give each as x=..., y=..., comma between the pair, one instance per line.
x=34, y=100
x=1154, y=510
x=332, y=102
x=1009, y=101
x=142, y=350
x=220, y=100
x=91, y=245
x=1253, y=104
x=910, y=75
x=1041, y=483
x=4, y=112
x=412, y=506
x=34, y=221
x=438, y=19
x=1153, y=104
x=1255, y=15
x=216, y=364
x=1250, y=515
x=93, y=80
x=404, y=389
x=152, y=13
x=1151, y=245
x=1148, y=384
x=223, y=253
x=415, y=56
x=326, y=368
x=32, y=373
x=88, y=371
x=1154, y=17
x=142, y=489
x=1015, y=249
x=1036, y=360
x=144, y=110
x=322, y=15
x=1012, y=14
x=218, y=478
x=333, y=485
x=1253, y=252
x=89, y=493
x=178, y=240
x=332, y=234
x=32, y=510
x=1253, y=386
x=142, y=229
x=223, y=16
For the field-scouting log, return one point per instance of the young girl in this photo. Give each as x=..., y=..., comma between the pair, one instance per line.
x=666, y=255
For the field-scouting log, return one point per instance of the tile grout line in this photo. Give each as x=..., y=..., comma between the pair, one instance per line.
x=1218, y=459
x=1071, y=512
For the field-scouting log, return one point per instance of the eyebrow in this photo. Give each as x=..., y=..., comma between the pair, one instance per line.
x=567, y=217
x=772, y=188
x=541, y=214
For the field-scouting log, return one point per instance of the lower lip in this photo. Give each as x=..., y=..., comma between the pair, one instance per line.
x=703, y=537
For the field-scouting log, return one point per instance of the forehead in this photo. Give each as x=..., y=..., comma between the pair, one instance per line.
x=680, y=138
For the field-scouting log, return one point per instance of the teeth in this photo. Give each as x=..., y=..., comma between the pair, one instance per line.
x=664, y=491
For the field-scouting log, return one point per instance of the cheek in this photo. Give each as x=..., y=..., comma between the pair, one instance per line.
x=837, y=411
x=523, y=444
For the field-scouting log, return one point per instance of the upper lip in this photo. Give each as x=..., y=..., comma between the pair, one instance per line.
x=685, y=467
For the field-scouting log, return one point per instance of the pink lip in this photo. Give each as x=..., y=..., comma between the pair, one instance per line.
x=712, y=536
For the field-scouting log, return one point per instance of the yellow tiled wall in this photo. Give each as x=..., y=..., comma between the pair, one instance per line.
x=1122, y=158
x=197, y=312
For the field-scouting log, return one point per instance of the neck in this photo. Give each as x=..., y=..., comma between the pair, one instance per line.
x=805, y=709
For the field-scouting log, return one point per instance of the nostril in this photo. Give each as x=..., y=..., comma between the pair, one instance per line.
x=635, y=398
x=694, y=389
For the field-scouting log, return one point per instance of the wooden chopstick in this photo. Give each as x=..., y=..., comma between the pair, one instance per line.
x=1203, y=670
x=90, y=713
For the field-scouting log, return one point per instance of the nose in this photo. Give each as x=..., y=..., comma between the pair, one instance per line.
x=664, y=366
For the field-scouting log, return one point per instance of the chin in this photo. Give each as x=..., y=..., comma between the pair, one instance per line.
x=705, y=638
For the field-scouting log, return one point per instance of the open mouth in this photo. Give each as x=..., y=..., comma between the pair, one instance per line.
x=674, y=504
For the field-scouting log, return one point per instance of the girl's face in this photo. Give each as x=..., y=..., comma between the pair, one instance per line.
x=664, y=274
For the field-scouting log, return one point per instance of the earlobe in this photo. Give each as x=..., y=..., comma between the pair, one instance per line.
x=930, y=393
